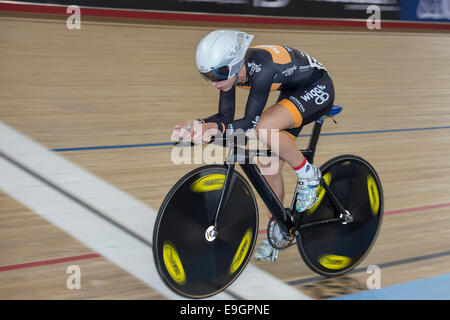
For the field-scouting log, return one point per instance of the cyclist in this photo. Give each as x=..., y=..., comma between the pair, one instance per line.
x=225, y=58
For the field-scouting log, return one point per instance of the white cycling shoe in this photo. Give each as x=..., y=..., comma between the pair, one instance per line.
x=307, y=190
x=266, y=252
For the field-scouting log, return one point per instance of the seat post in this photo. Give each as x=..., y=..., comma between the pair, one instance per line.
x=309, y=153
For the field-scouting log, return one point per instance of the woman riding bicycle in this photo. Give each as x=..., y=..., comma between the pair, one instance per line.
x=225, y=58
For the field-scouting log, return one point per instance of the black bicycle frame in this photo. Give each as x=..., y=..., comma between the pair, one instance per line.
x=282, y=215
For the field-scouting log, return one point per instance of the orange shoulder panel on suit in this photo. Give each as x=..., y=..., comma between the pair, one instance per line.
x=279, y=54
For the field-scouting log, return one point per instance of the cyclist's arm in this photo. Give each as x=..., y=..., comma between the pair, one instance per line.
x=260, y=77
x=227, y=104
x=261, y=83
x=257, y=99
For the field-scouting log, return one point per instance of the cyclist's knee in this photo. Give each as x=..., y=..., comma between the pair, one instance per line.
x=261, y=125
x=264, y=129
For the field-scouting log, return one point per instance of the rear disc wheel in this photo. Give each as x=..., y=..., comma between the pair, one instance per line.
x=335, y=248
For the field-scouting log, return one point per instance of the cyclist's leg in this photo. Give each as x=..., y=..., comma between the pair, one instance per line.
x=288, y=115
x=275, y=180
x=293, y=110
x=278, y=117
x=265, y=251
x=275, y=118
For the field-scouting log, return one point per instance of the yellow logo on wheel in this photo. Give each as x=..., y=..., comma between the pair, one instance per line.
x=374, y=196
x=320, y=194
x=173, y=263
x=334, y=262
x=209, y=182
x=241, y=251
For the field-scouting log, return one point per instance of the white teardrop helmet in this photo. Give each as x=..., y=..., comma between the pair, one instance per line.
x=221, y=53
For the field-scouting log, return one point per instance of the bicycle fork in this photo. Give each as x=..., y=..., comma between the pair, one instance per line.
x=264, y=190
x=211, y=232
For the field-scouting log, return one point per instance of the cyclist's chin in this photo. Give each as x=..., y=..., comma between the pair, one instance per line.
x=225, y=85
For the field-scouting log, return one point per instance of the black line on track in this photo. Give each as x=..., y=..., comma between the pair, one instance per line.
x=75, y=199
x=89, y=207
x=382, y=265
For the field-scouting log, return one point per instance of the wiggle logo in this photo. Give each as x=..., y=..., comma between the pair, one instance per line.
x=210, y=182
x=316, y=93
x=173, y=263
x=253, y=67
x=241, y=251
x=334, y=262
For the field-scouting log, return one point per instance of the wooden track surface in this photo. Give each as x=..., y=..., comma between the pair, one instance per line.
x=120, y=84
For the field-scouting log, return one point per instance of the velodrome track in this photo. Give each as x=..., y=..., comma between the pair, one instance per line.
x=86, y=117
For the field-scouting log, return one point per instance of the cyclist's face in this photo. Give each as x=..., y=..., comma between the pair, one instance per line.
x=224, y=85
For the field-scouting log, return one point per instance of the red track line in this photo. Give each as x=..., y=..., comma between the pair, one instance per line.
x=430, y=207
x=49, y=262
x=206, y=17
x=96, y=255
x=434, y=206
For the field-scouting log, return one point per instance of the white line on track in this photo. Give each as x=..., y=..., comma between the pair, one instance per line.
x=78, y=202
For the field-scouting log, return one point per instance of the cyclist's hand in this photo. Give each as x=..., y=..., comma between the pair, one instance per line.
x=207, y=130
x=184, y=131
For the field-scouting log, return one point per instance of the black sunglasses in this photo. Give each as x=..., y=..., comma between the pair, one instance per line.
x=218, y=74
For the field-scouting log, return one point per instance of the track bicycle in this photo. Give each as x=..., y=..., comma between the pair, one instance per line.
x=207, y=225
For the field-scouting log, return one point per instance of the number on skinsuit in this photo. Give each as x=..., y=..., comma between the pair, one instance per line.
x=313, y=62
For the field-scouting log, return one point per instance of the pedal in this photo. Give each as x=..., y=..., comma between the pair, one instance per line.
x=274, y=257
x=277, y=238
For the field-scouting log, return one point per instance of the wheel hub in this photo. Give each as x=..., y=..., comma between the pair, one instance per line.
x=210, y=234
